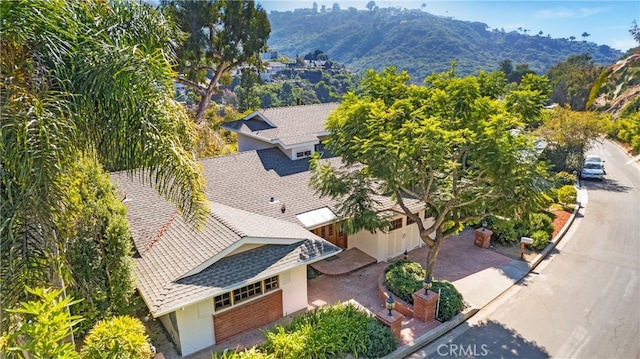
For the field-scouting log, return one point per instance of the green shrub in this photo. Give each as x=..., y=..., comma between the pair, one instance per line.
x=253, y=353
x=118, y=337
x=331, y=331
x=409, y=276
x=564, y=178
x=451, y=302
x=539, y=222
x=567, y=194
x=540, y=239
x=403, y=278
x=504, y=230
x=380, y=341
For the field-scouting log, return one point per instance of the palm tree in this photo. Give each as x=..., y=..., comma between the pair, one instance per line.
x=83, y=77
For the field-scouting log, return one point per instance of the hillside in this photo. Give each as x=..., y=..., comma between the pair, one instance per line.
x=419, y=42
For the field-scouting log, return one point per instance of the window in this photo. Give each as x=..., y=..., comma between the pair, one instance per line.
x=330, y=230
x=396, y=223
x=246, y=292
x=271, y=283
x=222, y=301
x=303, y=154
x=411, y=221
x=226, y=300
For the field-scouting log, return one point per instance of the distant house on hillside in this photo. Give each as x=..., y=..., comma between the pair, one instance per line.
x=247, y=267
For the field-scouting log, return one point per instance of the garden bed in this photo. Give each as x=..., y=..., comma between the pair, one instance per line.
x=561, y=218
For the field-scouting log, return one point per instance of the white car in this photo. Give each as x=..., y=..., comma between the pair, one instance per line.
x=596, y=159
x=593, y=167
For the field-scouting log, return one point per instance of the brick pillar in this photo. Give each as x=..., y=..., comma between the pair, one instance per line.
x=483, y=237
x=424, y=306
x=394, y=322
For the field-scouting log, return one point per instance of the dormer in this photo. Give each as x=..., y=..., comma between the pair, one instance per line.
x=295, y=130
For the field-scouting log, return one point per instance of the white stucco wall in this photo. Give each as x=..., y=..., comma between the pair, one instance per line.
x=195, y=323
x=372, y=244
x=383, y=246
x=294, y=289
x=246, y=143
x=292, y=152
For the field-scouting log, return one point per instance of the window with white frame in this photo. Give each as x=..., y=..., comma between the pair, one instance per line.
x=229, y=299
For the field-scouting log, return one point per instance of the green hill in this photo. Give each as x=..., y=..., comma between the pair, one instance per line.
x=419, y=42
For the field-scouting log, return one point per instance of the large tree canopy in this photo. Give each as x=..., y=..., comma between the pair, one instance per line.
x=451, y=146
x=78, y=77
x=221, y=35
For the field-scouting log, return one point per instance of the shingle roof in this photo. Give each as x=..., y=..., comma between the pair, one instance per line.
x=242, y=269
x=169, y=248
x=248, y=180
x=291, y=125
x=241, y=187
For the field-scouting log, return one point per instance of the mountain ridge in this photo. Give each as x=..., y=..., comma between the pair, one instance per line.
x=419, y=42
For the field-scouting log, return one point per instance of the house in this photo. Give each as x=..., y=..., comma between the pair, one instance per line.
x=247, y=266
x=271, y=69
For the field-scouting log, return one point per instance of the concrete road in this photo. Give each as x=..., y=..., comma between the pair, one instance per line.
x=581, y=302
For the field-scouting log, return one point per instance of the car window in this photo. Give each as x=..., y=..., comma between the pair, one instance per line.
x=592, y=166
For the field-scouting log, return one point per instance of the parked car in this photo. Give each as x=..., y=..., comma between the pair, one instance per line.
x=592, y=169
x=596, y=159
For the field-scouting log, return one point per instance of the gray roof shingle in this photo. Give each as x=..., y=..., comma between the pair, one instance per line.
x=240, y=187
x=291, y=125
x=170, y=249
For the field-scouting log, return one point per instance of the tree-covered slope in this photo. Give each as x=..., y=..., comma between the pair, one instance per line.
x=419, y=42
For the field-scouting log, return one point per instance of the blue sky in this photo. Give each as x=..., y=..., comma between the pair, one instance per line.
x=607, y=22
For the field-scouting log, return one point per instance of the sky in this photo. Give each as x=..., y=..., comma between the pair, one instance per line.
x=607, y=22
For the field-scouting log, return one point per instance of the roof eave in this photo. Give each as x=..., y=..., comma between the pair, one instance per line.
x=173, y=308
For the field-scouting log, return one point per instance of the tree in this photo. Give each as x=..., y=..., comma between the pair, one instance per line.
x=287, y=98
x=371, y=5
x=45, y=327
x=572, y=38
x=247, y=92
x=335, y=8
x=568, y=134
x=98, y=248
x=221, y=35
x=82, y=77
x=506, y=66
x=442, y=147
x=572, y=80
x=519, y=72
x=585, y=35
x=118, y=337
x=635, y=31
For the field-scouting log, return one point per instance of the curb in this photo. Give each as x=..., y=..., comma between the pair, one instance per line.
x=431, y=335
x=554, y=242
x=445, y=327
